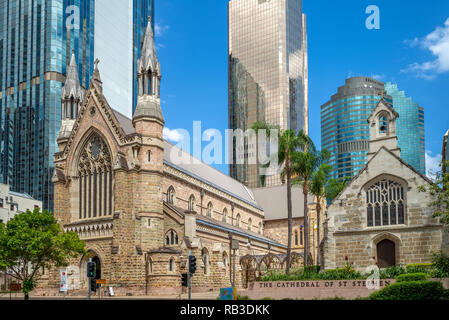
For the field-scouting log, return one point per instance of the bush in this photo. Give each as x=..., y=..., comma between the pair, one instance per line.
x=243, y=297
x=412, y=277
x=414, y=290
x=392, y=272
x=441, y=265
x=340, y=274
x=419, y=268
x=311, y=273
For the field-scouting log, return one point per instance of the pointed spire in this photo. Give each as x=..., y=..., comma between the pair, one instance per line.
x=72, y=87
x=148, y=60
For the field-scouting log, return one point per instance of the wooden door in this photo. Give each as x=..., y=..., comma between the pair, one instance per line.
x=386, y=253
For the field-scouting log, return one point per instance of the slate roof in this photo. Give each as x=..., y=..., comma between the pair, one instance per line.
x=274, y=201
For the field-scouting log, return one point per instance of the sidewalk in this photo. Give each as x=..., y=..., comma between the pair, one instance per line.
x=195, y=296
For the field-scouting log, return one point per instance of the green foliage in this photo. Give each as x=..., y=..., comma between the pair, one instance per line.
x=334, y=187
x=392, y=272
x=412, y=277
x=243, y=297
x=439, y=192
x=36, y=240
x=419, y=267
x=441, y=265
x=268, y=298
x=306, y=274
x=413, y=290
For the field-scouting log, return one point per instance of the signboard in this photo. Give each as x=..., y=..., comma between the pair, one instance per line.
x=234, y=244
x=101, y=281
x=226, y=294
x=15, y=287
x=63, y=283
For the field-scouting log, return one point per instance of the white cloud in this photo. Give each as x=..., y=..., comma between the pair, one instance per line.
x=437, y=42
x=172, y=135
x=160, y=29
x=432, y=163
x=379, y=77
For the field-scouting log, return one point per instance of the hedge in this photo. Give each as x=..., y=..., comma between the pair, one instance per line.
x=413, y=290
x=412, y=277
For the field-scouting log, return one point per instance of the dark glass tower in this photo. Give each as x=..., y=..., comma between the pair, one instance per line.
x=36, y=41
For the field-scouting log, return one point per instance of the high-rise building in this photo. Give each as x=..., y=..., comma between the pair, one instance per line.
x=119, y=31
x=37, y=39
x=409, y=127
x=345, y=130
x=268, y=76
x=344, y=127
x=445, y=152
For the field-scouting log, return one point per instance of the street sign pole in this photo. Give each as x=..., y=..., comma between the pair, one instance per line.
x=189, y=276
x=90, y=279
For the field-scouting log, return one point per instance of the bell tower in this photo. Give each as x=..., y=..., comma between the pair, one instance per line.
x=382, y=123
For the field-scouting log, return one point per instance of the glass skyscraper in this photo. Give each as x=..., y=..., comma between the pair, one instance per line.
x=119, y=29
x=268, y=76
x=36, y=41
x=409, y=128
x=345, y=130
x=344, y=127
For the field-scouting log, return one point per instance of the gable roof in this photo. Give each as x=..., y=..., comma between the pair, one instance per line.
x=367, y=164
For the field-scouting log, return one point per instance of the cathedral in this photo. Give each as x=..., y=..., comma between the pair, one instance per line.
x=140, y=210
x=381, y=218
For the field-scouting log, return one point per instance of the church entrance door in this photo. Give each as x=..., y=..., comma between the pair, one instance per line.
x=386, y=254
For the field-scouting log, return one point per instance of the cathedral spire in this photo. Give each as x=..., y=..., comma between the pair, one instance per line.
x=148, y=78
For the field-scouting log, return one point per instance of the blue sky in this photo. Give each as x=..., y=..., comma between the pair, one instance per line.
x=411, y=48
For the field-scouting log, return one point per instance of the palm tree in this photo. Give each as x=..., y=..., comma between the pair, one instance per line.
x=305, y=163
x=334, y=187
x=289, y=143
x=318, y=189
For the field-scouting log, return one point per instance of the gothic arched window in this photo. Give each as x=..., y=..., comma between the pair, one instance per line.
x=171, y=195
x=250, y=222
x=171, y=238
x=205, y=258
x=209, y=210
x=385, y=204
x=192, y=203
x=171, y=265
x=95, y=179
x=237, y=220
x=225, y=215
x=383, y=124
x=260, y=228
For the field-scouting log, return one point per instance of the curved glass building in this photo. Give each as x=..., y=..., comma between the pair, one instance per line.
x=344, y=127
x=409, y=127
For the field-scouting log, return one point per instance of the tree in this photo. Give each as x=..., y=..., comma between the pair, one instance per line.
x=32, y=241
x=289, y=143
x=439, y=192
x=318, y=189
x=305, y=163
x=334, y=187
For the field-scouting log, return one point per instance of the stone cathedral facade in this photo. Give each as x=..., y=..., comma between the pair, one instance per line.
x=140, y=203
x=381, y=218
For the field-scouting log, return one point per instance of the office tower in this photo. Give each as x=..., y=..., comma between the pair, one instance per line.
x=36, y=41
x=344, y=127
x=267, y=74
x=409, y=127
x=445, y=152
x=119, y=31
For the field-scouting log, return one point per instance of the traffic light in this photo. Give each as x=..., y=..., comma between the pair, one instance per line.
x=192, y=264
x=184, y=280
x=91, y=269
x=93, y=285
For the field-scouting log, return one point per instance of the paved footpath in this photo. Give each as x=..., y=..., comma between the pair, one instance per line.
x=195, y=296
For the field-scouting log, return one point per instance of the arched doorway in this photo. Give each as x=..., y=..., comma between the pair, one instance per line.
x=98, y=267
x=386, y=254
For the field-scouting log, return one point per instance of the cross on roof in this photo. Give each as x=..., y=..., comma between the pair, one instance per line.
x=97, y=61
